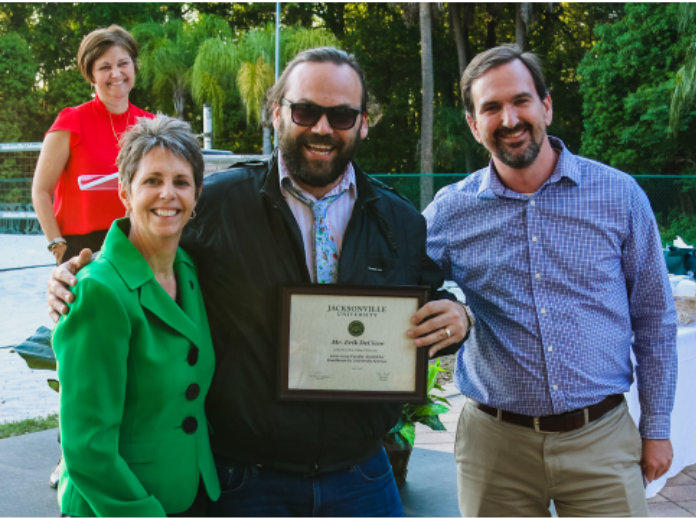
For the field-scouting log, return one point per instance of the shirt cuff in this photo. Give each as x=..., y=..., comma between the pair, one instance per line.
x=655, y=426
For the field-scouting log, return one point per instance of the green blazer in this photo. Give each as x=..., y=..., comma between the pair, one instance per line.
x=134, y=369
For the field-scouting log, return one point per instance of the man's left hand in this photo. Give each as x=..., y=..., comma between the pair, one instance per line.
x=657, y=458
x=445, y=315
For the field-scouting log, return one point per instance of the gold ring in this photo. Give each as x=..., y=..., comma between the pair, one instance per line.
x=449, y=333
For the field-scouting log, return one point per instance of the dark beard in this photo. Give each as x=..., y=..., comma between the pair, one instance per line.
x=518, y=160
x=315, y=175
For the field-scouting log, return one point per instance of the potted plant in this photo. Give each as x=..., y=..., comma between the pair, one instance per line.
x=398, y=442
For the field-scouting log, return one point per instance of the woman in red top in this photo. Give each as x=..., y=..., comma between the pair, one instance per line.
x=73, y=202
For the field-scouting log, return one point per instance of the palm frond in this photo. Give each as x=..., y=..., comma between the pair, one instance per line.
x=253, y=80
x=684, y=95
x=258, y=43
x=300, y=39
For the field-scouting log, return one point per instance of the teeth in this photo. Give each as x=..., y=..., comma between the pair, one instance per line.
x=162, y=212
x=119, y=83
x=516, y=134
x=319, y=150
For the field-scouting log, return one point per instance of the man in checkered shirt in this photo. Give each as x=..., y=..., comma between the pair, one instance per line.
x=561, y=263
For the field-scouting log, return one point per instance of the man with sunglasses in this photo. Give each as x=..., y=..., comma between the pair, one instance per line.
x=308, y=215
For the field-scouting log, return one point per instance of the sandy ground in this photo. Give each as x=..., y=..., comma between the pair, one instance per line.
x=24, y=392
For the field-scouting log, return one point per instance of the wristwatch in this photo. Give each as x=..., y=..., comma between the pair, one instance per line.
x=470, y=316
x=59, y=241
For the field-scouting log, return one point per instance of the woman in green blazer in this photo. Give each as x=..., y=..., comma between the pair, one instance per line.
x=135, y=356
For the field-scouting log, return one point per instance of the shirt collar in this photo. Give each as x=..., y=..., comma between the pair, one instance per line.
x=347, y=181
x=566, y=166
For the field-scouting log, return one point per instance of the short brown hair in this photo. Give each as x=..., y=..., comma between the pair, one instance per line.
x=496, y=57
x=96, y=43
x=165, y=132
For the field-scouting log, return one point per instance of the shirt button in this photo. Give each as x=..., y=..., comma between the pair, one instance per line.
x=543, y=311
x=538, y=276
x=534, y=238
x=532, y=203
x=190, y=425
x=550, y=349
x=193, y=391
x=555, y=387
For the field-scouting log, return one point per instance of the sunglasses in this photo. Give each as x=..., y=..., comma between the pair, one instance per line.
x=305, y=114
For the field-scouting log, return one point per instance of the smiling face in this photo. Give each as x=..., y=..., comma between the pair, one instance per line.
x=510, y=119
x=113, y=73
x=161, y=198
x=317, y=156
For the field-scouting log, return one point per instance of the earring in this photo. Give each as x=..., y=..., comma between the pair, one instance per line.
x=193, y=214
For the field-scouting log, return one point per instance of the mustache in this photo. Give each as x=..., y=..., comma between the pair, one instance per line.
x=504, y=132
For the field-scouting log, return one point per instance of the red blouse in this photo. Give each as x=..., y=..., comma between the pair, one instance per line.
x=93, y=151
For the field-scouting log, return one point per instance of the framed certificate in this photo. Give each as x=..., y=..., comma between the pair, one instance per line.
x=349, y=343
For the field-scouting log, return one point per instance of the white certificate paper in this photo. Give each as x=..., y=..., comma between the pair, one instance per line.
x=351, y=343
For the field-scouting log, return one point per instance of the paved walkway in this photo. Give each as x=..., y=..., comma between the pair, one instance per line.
x=677, y=498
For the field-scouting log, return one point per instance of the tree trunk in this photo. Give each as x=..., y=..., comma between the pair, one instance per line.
x=267, y=144
x=493, y=9
x=461, y=36
x=520, y=26
x=426, y=182
x=179, y=99
x=455, y=12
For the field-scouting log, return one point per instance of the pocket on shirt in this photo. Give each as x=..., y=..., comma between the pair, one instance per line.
x=382, y=264
x=138, y=452
x=386, y=270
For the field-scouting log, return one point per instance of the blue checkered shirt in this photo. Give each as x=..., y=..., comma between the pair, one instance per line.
x=558, y=283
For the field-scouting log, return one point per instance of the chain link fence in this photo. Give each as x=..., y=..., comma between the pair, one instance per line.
x=673, y=197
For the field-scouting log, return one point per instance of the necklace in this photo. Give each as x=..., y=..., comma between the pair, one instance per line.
x=112, y=123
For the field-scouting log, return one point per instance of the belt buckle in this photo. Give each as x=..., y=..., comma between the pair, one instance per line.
x=536, y=426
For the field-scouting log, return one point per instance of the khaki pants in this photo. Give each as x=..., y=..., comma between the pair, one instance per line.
x=509, y=470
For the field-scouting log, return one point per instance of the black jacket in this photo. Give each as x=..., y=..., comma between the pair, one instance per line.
x=246, y=243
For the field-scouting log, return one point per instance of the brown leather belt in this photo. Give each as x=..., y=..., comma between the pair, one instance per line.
x=566, y=422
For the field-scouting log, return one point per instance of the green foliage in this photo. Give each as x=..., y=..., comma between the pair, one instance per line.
x=19, y=101
x=404, y=433
x=28, y=426
x=17, y=67
x=678, y=224
x=65, y=88
x=248, y=63
x=627, y=79
x=167, y=55
x=684, y=95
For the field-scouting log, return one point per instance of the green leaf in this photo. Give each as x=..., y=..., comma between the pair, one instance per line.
x=432, y=374
x=433, y=422
x=431, y=409
x=398, y=426
x=54, y=384
x=408, y=432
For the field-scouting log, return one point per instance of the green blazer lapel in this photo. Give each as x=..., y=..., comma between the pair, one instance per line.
x=138, y=276
x=158, y=302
